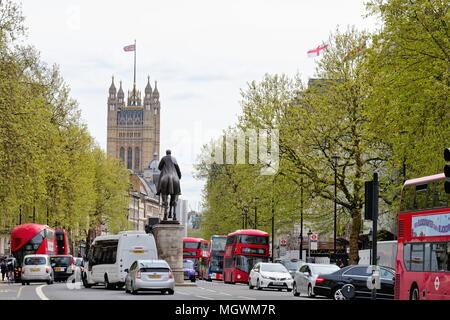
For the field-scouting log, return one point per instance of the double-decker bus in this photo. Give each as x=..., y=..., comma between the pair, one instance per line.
x=243, y=249
x=423, y=250
x=34, y=238
x=216, y=253
x=196, y=250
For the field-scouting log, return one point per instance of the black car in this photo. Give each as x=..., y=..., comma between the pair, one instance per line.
x=63, y=266
x=329, y=285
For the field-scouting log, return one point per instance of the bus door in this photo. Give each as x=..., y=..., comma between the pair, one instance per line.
x=438, y=284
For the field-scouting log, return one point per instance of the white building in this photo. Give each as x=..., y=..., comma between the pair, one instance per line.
x=182, y=214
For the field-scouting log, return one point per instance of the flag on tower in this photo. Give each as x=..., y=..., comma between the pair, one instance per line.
x=131, y=47
x=316, y=52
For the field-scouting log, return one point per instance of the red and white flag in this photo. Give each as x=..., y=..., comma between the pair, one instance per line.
x=131, y=47
x=316, y=52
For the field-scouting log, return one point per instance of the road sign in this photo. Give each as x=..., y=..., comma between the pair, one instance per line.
x=313, y=237
x=282, y=242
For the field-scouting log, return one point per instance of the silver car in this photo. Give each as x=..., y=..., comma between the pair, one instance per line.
x=149, y=275
x=305, y=278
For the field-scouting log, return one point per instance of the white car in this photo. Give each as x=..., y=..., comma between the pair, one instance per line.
x=270, y=275
x=37, y=268
x=149, y=275
x=305, y=278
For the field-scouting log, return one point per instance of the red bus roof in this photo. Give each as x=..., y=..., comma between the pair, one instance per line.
x=23, y=233
x=424, y=180
x=191, y=239
x=250, y=232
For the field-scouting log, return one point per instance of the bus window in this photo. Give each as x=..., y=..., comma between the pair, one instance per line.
x=439, y=257
x=417, y=257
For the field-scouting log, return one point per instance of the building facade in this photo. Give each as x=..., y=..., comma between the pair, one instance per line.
x=133, y=126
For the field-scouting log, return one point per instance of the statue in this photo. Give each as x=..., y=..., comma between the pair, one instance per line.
x=169, y=184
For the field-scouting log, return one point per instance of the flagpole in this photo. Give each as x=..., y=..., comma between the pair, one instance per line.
x=134, y=82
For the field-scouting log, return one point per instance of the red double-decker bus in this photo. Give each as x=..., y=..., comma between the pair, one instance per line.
x=197, y=250
x=423, y=252
x=216, y=257
x=34, y=238
x=244, y=248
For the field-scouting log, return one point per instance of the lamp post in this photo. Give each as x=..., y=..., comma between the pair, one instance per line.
x=309, y=244
x=256, y=212
x=335, y=158
x=370, y=245
x=244, y=217
x=301, y=219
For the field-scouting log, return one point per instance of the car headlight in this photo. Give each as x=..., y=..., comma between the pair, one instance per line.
x=264, y=277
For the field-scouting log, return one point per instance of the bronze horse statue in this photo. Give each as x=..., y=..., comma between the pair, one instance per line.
x=169, y=184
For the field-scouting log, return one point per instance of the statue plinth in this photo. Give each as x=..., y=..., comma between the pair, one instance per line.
x=170, y=222
x=169, y=241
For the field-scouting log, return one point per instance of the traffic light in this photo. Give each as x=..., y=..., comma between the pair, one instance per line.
x=368, y=200
x=447, y=170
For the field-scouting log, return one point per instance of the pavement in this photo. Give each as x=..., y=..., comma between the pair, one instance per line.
x=203, y=291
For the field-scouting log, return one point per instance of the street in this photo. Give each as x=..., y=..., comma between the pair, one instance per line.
x=202, y=291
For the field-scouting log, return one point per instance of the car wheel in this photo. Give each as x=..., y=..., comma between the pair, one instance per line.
x=85, y=282
x=289, y=290
x=23, y=283
x=294, y=290
x=193, y=279
x=28, y=283
x=258, y=285
x=133, y=290
x=414, y=293
x=337, y=294
x=310, y=292
x=170, y=291
x=250, y=286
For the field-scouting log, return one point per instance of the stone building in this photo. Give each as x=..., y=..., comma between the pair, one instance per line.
x=133, y=126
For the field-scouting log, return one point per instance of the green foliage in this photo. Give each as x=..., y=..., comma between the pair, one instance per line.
x=51, y=171
x=379, y=101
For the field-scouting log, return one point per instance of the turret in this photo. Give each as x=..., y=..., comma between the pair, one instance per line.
x=112, y=89
x=120, y=94
x=156, y=92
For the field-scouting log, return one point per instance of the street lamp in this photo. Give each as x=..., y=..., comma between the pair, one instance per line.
x=309, y=244
x=335, y=158
x=244, y=217
x=301, y=219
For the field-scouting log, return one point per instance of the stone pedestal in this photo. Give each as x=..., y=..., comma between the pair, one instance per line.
x=169, y=241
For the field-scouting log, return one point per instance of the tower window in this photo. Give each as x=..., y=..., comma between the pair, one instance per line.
x=137, y=158
x=111, y=107
x=130, y=158
x=122, y=154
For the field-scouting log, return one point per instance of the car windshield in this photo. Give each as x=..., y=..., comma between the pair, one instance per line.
x=292, y=265
x=324, y=269
x=79, y=262
x=273, y=267
x=188, y=265
x=34, y=261
x=60, y=261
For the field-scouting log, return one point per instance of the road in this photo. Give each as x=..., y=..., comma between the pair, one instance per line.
x=202, y=291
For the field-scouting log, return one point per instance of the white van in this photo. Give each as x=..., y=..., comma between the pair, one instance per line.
x=109, y=257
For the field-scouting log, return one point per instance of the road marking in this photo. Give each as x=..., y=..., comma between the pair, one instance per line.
x=211, y=290
x=183, y=293
x=40, y=294
x=227, y=294
x=242, y=297
x=207, y=298
x=19, y=292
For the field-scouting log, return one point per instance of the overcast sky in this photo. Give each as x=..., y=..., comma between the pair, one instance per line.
x=201, y=52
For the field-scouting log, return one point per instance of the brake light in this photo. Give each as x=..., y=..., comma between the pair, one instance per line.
x=170, y=275
x=23, y=271
x=138, y=274
x=47, y=269
x=320, y=280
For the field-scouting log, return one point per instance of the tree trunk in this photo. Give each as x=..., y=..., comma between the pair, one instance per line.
x=354, y=236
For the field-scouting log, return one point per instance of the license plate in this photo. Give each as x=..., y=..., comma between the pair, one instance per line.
x=59, y=269
x=278, y=284
x=35, y=270
x=155, y=276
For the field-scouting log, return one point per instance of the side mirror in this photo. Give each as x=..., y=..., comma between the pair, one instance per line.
x=127, y=270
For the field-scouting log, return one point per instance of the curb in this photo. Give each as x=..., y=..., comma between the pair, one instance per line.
x=185, y=284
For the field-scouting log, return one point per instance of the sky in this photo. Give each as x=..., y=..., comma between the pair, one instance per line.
x=201, y=53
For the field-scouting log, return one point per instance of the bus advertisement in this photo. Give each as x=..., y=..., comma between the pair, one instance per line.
x=215, y=265
x=243, y=249
x=423, y=250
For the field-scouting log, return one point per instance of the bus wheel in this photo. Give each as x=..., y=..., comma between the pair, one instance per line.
x=414, y=293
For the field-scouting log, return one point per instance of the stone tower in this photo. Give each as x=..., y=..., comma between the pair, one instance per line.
x=133, y=126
